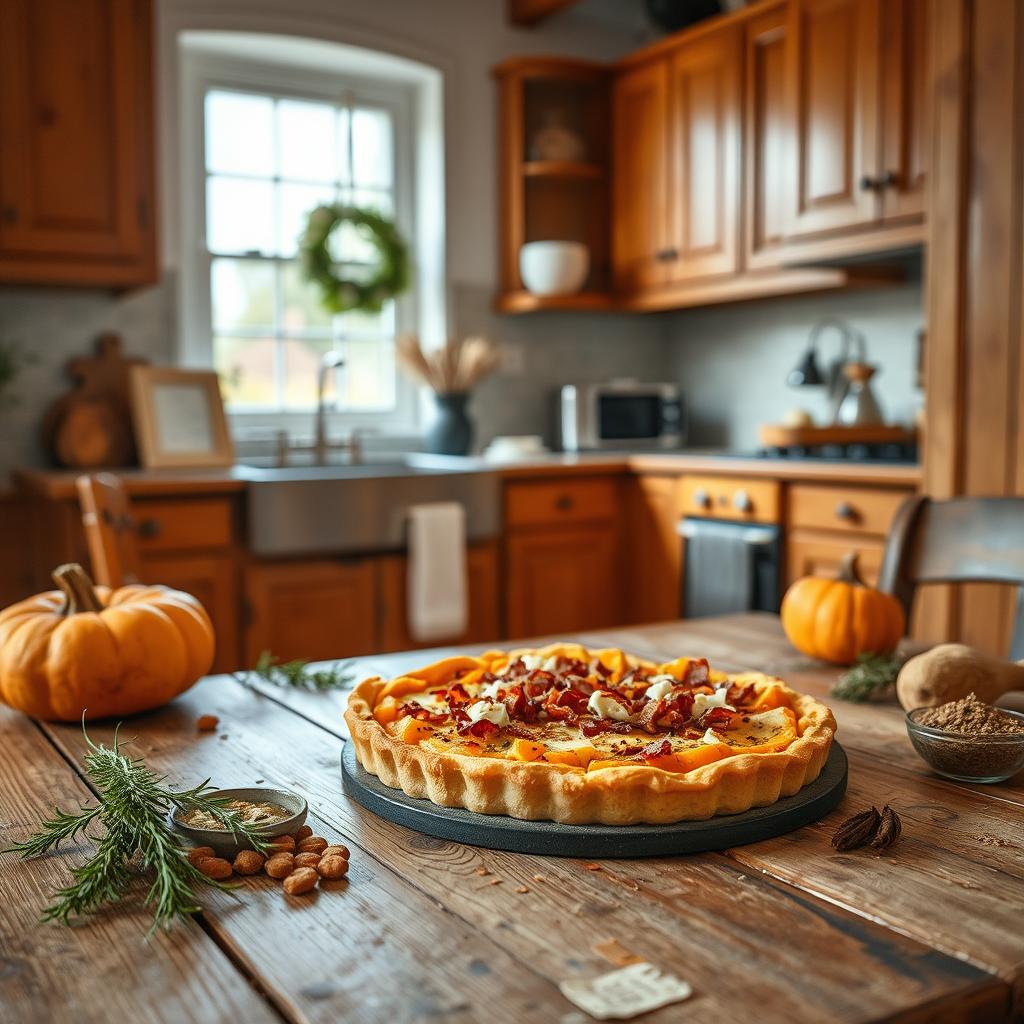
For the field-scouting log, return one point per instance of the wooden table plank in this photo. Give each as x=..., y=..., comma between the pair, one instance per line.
x=373, y=949
x=102, y=970
x=691, y=915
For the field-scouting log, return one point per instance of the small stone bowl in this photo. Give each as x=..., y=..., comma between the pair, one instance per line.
x=227, y=844
x=993, y=758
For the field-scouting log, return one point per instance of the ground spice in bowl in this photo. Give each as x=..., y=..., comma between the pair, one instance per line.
x=250, y=813
x=969, y=740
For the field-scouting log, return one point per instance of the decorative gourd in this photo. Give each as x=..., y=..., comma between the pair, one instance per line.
x=101, y=652
x=951, y=671
x=839, y=619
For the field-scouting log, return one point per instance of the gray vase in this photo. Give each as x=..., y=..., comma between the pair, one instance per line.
x=451, y=433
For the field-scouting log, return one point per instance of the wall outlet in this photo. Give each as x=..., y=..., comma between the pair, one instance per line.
x=513, y=360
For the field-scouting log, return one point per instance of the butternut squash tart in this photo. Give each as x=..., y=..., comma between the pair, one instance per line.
x=589, y=737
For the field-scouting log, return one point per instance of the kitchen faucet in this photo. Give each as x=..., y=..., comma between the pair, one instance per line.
x=330, y=361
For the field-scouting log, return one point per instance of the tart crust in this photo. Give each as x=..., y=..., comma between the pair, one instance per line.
x=627, y=794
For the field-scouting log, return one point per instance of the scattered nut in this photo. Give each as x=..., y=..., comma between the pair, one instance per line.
x=333, y=867
x=207, y=723
x=279, y=844
x=216, y=868
x=539, y=878
x=304, y=832
x=482, y=871
x=249, y=862
x=592, y=867
x=493, y=881
x=312, y=844
x=307, y=860
x=335, y=851
x=521, y=888
x=300, y=881
x=198, y=853
x=281, y=865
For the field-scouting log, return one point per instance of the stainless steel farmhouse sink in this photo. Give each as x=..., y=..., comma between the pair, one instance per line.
x=340, y=509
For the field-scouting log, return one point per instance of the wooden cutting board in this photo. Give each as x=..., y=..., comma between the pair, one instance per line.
x=91, y=425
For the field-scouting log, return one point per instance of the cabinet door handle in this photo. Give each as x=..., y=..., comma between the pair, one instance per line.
x=564, y=502
x=149, y=528
x=666, y=255
x=889, y=180
x=869, y=184
x=844, y=510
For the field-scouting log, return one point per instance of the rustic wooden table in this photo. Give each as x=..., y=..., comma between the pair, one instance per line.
x=786, y=929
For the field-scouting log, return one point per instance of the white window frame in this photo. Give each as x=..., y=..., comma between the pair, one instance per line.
x=203, y=71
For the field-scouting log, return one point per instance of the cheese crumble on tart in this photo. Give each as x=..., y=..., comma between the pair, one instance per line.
x=579, y=736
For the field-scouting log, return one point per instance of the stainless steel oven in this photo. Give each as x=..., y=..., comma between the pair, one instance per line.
x=620, y=415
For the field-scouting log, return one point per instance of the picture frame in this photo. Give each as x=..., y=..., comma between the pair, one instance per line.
x=179, y=418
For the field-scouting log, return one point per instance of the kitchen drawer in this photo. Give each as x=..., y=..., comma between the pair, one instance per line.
x=809, y=553
x=727, y=497
x=182, y=525
x=550, y=503
x=860, y=510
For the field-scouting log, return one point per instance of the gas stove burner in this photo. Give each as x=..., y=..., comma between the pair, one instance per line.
x=856, y=452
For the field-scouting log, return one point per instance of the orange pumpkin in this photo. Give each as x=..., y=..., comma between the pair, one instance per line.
x=101, y=652
x=838, y=619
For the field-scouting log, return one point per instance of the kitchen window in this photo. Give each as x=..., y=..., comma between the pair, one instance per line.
x=275, y=143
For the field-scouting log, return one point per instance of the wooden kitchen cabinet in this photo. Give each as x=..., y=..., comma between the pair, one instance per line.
x=855, y=91
x=76, y=165
x=641, y=212
x=213, y=579
x=313, y=610
x=812, y=553
x=482, y=566
x=563, y=580
x=653, y=549
x=704, y=136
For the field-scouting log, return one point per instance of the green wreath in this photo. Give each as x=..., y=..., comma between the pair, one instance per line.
x=341, y=294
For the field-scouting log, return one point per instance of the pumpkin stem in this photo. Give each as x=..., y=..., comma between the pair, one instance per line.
x=79, y=593
x=848, y=571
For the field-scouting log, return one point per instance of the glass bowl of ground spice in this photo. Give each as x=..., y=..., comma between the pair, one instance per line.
x=969, y=740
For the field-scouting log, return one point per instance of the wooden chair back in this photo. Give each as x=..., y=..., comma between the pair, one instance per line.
x=109, y=529
x=963, y=540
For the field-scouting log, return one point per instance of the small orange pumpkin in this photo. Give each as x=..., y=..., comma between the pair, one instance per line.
x=100, y=651
x=838, y=619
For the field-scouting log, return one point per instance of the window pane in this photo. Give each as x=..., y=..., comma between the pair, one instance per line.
x=295, y=203
x=302, y=309
x=374, y=199
x=360, y=324
x=371, y=146
x=242, y=293
x=247, y=370
x=301, y=367
x=239, y=133
x=239, y=215
x=368, y=379
x=306, y=147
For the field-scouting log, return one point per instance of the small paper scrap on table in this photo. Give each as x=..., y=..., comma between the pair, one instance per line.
x=627, y=992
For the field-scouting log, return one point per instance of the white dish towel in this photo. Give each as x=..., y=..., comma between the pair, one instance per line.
x=437, y=601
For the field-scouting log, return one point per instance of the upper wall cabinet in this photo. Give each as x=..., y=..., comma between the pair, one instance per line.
x=675, y=165
x=855, y=88
x=76, y=162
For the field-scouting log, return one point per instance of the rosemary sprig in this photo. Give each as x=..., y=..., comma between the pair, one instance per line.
x=133, y=808
x=871, y=676
x=297, y=674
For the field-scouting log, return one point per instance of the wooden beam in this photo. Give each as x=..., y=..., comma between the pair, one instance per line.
x=532, y=12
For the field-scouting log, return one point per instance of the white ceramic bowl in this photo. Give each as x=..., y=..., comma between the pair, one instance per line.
x=554, y=268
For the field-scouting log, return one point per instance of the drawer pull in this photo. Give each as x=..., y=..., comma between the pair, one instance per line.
x=701, y=498
x=844, y=510
x=149, y=528
x=564, y=502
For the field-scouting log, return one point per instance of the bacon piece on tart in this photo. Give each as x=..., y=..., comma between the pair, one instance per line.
x=583, y=736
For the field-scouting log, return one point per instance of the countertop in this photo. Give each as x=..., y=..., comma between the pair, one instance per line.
x=58, y=484
x=787, y=929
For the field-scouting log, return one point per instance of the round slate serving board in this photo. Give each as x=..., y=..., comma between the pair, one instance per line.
x=549, y=838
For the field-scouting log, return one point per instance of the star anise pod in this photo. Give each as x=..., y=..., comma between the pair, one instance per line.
x=857, y=830
x=889, y=829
